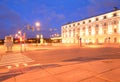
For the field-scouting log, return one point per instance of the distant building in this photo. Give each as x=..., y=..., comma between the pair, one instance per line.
x=56, y=39
x=101, y=29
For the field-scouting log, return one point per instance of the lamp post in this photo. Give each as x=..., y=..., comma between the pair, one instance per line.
x=37, y=37
x=20, y=38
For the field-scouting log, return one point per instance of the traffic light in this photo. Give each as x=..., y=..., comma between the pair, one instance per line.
x=33, y=29
x=28, y=27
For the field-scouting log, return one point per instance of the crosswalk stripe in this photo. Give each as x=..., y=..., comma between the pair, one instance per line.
x=13, y=59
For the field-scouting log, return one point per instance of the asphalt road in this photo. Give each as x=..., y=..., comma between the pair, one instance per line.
x=51, y=57
x=69, y=54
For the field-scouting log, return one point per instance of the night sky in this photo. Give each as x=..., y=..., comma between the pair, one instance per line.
x=52, y=14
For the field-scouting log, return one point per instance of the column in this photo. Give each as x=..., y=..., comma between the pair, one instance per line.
x=100, y=29
x=110, y=27
x=93, y=30
x=86, y=31
x=119, y=27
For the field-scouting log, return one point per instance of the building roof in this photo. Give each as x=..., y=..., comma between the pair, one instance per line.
x=115, y=9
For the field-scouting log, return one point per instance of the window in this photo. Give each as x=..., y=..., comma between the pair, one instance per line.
x=115, y=22
x=97, y=25
x=104, y=24
x=69, y=25
x=89, y=20
x=83, y=28
x=96, y=19
x=104, y=17
x=115, y=30
x=115, y=40
x=115, y=14
x=78, y=23
x=89, y=28
x=83, y=22
x=73, y=24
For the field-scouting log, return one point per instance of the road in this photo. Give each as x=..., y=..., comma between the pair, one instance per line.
x=60, y=62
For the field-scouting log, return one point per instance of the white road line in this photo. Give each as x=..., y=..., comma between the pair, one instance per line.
x=13, y=59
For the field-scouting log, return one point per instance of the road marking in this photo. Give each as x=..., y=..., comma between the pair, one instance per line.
x=34, y=65
x=14, y=59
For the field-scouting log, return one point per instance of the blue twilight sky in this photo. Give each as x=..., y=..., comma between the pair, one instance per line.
x=52, y=14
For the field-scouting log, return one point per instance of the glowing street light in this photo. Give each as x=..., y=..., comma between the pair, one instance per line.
x=37, y=36
x=37, y=24
x=19, y=32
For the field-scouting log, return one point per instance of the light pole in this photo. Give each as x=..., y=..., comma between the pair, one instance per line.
x=37, y=37
x=20, y=38
x=21, y=35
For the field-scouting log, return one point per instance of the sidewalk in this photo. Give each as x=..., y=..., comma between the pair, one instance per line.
x=96, y=71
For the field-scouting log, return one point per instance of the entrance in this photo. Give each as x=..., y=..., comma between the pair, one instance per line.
x=115, y=40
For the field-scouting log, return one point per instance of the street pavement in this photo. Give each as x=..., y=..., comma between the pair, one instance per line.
x=61, y=64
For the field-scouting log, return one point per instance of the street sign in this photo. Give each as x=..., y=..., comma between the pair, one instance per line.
x=8, y=42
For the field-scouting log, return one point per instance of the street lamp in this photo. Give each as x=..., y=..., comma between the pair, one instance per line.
x=20, y=38
x=37, y=24
x=19, y=32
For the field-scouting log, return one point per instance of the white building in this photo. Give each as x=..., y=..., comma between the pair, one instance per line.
x=101, y=29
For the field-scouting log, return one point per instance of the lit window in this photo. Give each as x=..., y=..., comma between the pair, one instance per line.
x=115, y=22
x=83, y=28
x=115, y=30
x=89, y=28
x=97, y=25
x=105, y=24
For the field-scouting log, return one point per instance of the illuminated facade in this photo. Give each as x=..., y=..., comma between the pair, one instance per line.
x=100, y=29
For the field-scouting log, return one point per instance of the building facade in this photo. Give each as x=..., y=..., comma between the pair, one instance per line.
x=100, y=29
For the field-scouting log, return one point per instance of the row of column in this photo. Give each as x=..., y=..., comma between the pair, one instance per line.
x=72, y=34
